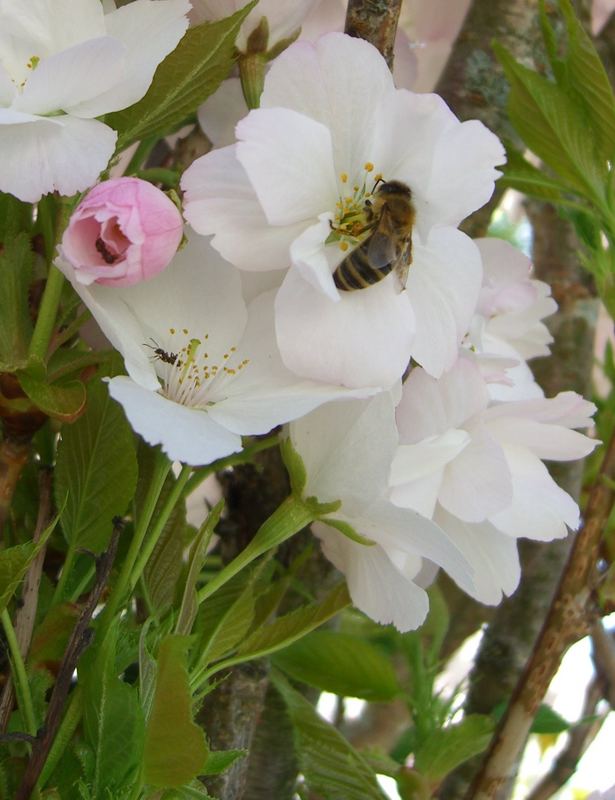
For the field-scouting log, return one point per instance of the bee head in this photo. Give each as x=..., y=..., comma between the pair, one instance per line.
x=394, y=187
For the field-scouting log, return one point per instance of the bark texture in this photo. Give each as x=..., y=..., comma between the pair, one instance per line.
x=376, y=22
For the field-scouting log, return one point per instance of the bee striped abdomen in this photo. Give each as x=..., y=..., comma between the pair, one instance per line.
x=356, y=272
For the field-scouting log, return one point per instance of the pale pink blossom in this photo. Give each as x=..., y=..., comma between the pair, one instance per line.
x=507, y=328
x=477, y=469
x=347, y=449
x=124, y=231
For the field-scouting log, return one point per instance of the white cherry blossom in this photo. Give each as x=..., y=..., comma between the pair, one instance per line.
x=61, y=65
x=508, y=323
x=476, y=468
x=330, y=122
x=347, y=449
x=203, y=368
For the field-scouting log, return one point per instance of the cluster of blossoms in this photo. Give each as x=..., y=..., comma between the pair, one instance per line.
x=246, y=328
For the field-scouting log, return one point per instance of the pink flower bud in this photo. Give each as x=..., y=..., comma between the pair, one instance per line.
x=124, y=231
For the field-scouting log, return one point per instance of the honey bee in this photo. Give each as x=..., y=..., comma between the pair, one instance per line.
x=390, y=218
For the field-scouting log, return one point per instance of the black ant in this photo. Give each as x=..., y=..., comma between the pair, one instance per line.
x=162, y=355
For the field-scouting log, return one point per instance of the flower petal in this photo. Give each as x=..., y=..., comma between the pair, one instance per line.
x=376, y=586
x=431, y=407
x=288, y=158
x=463, y=175
x=539, y=509
x=347, y=450
x=186, y=434
x=149, y=31
x=478, y=482
x=220, y=199
x=265, y=393
x=339, y=81
x=365, y=339
x=63, y=154
x=405, y=530
x=552, y=442
x=443, y=287
x=493, y=555
x=75, y=75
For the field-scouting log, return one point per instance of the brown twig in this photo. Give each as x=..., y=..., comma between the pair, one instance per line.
x=604, y=660
x=568, y=619
x=25, y=616
x=376, y=22
x=80, y=639
x=579, y=739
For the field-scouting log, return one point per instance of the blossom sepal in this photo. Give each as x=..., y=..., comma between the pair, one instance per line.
x=347, y=529
x=295, y=467
x=289, y=518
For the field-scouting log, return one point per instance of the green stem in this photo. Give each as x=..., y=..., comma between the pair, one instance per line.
x=119, y=591
x=47, y=313
x=83, y=583
x=144, y=148
x=289, y=518
x=58, y=594
x=168, y=177
x=148, y=546
x=18, y=668
x=67, y=728
x=71, y=330
x=245, y=457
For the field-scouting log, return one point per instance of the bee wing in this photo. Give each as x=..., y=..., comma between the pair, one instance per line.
x=382, y=248
x=402, y=266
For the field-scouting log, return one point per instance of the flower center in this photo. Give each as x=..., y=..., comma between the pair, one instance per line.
x=352, y=212
x=187, y=372
x=20, y=72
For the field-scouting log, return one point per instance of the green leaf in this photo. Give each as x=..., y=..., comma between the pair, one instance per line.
x=96, y=471
x=193, y=71
x=340, y=663
x=14, y=562
x=189, y=605
x=225, y=618
x=175, y=748
x=63, y=401
x=519, y=174
x=113, y=721
x=219, y=761
x=445, y=749
x=331, y=766
x=15, y=326
x=163, y=571
x=547, y=720
x=15, y=217
x=584, y=76
x=552, y=126
x=287, y=629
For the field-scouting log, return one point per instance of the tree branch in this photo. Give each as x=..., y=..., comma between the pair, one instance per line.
x=376, y=22
x=566, y=622
x=579, y=739
x=25, y=616
x=80, y=639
